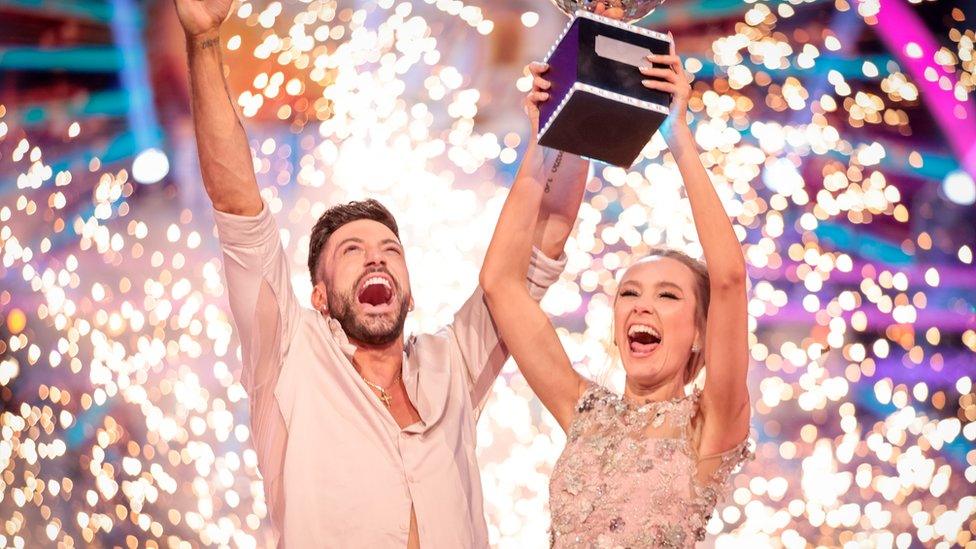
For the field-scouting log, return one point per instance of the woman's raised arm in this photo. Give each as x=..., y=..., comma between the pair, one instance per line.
x=526, y=330
x=725, y=398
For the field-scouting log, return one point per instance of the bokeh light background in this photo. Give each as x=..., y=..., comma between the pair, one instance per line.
x=840, y=134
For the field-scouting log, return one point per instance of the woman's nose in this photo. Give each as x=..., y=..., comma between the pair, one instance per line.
x=641, y=307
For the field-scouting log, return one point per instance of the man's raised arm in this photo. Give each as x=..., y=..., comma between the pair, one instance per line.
x=259, y=290
x=225, y=156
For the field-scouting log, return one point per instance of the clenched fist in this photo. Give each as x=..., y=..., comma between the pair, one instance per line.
x=202, y=16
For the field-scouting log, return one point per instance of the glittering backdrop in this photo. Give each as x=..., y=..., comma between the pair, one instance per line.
x=823, y=125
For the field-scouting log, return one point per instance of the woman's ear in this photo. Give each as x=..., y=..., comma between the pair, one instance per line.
x=696, y=361
x=696, y=344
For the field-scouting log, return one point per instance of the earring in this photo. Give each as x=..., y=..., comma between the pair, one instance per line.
x=695, y=348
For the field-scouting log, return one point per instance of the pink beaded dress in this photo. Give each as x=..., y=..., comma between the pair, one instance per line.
x=631, y=477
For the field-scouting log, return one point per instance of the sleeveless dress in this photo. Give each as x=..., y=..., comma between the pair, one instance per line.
x=630, y=475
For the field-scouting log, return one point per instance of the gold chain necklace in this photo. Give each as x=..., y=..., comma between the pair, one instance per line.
x=384, y=395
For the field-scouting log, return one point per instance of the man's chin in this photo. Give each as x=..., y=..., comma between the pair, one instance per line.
x=377, y=320
x=381, y=329
x=376, y=329
x=376, y=338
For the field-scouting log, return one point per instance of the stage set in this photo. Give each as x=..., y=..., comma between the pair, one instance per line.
x=839, y=134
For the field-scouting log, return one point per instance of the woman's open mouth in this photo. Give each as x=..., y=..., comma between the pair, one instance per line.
x=643, y=340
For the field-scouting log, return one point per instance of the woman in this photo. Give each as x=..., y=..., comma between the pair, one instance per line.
x=647, y=468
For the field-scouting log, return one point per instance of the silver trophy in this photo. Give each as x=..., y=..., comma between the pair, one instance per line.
x=598, y=106
x=623, y=10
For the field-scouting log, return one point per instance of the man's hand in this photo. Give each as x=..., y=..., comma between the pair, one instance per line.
x=225, y=156
x=200, y=17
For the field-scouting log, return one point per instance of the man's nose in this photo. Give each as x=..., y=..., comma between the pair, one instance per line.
x=374, y=256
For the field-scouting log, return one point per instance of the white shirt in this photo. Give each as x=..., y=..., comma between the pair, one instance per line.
x=338, y=470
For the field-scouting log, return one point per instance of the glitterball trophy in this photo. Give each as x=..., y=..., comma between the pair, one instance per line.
x=598, y=108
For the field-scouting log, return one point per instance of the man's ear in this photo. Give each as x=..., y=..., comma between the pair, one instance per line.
x=320, y=298
x=410, y=304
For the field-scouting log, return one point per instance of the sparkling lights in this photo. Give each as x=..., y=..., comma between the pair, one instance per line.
x=123, y=420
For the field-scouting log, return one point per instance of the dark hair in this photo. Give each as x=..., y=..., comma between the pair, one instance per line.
x=702, y=297
x=337, y=216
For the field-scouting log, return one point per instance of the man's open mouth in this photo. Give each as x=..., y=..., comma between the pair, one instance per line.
x=643, y=339
x=375, y=290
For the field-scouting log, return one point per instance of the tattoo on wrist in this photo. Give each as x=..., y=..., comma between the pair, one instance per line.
x=552, y=172
x=210, y=43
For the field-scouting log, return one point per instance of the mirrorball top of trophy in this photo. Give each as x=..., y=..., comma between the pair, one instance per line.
x=625, y=10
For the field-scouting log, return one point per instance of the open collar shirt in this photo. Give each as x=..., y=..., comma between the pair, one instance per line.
x=338, y=471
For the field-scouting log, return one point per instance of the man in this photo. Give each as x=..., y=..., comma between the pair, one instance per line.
x=363, y=439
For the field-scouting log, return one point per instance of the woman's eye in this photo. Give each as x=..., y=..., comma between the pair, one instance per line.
x=628, y=293
x=668, y=295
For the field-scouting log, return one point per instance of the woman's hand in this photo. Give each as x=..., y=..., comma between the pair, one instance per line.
x=611, y=9
x=538, y=95
x=672, y=79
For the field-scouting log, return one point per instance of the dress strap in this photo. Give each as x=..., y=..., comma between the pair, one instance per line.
x=719, y=466
x=592, y=392
x=692, y=421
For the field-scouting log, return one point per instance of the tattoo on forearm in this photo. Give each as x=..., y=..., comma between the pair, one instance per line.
x=209, y=43
x=552, y=172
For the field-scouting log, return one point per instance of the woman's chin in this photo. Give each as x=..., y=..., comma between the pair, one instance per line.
x=644, y=374
x=649, y=372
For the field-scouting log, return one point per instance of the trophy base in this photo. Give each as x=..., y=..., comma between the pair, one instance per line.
x=598, y=106
x=601, y=125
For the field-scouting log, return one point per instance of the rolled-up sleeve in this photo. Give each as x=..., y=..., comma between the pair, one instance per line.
x=266, y=313
x=477, y=336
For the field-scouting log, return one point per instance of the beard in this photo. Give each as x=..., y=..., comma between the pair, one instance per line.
x=370, y=329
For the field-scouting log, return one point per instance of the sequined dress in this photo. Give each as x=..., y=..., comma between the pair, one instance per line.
x=630, y=475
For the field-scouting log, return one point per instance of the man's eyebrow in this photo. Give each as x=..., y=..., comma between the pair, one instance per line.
x=349, y=239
